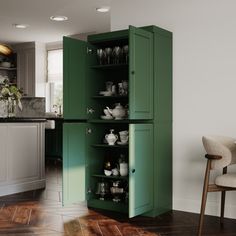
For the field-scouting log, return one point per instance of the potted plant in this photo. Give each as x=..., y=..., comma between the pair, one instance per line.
x=11, y=96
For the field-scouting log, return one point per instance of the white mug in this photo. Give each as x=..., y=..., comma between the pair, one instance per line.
x=124, y=136
x=123, y=169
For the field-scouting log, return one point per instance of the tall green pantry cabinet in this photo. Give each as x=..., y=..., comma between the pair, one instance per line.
x=147, y=68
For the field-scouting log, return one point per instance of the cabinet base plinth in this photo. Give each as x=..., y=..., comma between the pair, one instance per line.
x=157, y=211
x=22, y=187
x=108, y=205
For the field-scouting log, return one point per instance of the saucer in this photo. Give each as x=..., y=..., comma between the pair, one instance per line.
x=120, y=143
x=107, y=117
x=105, y=93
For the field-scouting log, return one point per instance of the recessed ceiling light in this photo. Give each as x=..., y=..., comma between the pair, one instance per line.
x=20, y=26
x=59, y=18
x=103, y=9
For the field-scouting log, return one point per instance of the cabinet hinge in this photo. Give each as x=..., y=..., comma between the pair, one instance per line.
x=88, y=131
x=90, y=51
x=90, y=110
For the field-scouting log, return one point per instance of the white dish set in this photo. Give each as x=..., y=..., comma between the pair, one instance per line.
x=112, y=138
x=118, y=113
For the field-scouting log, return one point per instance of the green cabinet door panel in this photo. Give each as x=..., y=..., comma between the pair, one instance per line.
x=140, y=169
x=74, y=162
x=74, y=78
x=140, y=74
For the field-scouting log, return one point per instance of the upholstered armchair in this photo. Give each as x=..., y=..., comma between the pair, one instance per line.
x=221, y=152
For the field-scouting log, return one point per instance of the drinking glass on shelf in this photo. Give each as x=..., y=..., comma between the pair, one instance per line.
x=125, y=51
x=109, y=86
x=125, y=86
x=108, y=52
x=116, y=53
x=100, y=55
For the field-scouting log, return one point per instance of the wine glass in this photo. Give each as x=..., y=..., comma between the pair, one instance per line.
x=108, y=52
x=116, y=54
x=102, y=190
x=125, y=50
x=100, y=55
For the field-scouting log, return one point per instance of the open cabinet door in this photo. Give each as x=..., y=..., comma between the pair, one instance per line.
x=140, y=74
x=74, y=78
x=140, y=169
x=74, y=162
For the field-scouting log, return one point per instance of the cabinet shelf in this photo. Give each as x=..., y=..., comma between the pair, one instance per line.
x=110, y=97
x=10, y=84
x=110, y=66
x=109, y=146
x=125, y=121
x=7, y=68
x=111, y=177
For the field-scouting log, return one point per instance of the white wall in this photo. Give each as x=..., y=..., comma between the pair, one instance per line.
x=204, y=83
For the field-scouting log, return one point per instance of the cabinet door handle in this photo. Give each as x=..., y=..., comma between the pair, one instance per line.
x=132, y=72
x=133, y=170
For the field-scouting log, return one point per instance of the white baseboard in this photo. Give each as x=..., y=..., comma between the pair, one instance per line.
x=22, y=187
x=212, y=208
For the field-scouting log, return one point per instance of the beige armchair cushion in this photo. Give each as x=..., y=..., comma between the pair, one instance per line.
x=227, y=180
x=222, y=146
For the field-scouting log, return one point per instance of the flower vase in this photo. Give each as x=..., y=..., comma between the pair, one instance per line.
x=11, y=108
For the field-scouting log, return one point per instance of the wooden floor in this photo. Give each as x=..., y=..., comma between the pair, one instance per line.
x=40, y=213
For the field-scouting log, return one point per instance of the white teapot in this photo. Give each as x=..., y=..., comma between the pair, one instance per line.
x=111, y=138
x=119, y=112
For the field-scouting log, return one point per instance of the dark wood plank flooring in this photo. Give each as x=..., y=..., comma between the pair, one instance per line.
x=40, y=213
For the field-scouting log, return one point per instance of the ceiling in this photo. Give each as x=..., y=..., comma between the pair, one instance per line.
x=82, y=15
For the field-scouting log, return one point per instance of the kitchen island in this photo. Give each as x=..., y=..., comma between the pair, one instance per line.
x=22, y=155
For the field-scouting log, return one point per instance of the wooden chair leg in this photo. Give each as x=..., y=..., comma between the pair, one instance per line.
x=222, y=207
x=204, y=197
x=223, y=200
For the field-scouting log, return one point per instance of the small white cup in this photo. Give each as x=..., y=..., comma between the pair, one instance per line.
x=123, y=169
x=124, y=136
x=115, y=171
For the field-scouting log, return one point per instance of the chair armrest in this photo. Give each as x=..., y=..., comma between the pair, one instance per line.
x=213, y=157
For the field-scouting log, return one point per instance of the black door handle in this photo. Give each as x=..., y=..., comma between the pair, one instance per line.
x=133, y=170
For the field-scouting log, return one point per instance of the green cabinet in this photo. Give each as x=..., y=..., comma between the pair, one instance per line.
x=74, y=162
x=141, y=169
x=80, y=68
x=141, y=74
x=147, y=101
x=74, y=79
x=140, y=177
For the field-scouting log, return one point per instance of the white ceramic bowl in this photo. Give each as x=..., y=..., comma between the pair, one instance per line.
x=6, y=64
x=107, y=172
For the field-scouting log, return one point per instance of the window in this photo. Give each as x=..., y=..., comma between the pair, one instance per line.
x=55, y=80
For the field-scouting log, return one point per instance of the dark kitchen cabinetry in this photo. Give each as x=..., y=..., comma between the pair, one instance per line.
x=8, y=69
x=53, y=141
x=147, y=69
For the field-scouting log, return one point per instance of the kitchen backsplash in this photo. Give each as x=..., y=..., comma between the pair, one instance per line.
x=32, y=107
